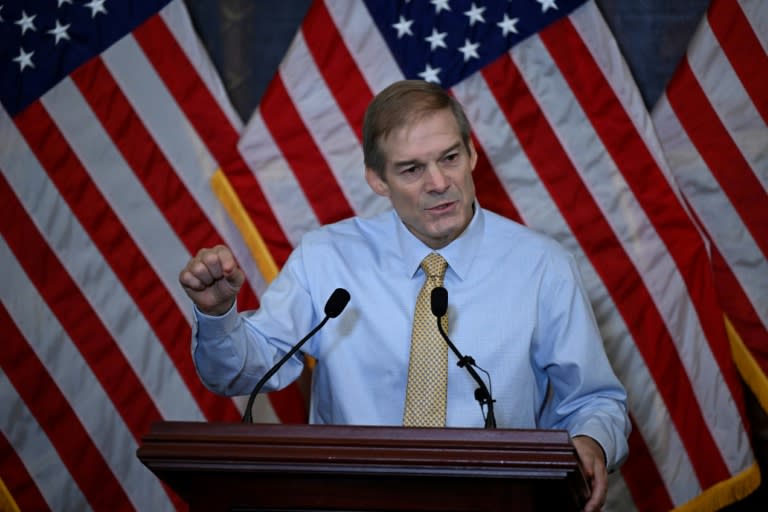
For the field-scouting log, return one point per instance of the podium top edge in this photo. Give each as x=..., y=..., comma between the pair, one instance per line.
x=333, y=434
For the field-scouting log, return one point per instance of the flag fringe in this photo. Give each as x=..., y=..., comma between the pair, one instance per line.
x=261, y=255
x=750, y=371
x=724, y=493
x=7, y=503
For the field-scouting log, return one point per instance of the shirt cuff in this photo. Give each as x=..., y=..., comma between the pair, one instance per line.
x=614, y=449
x=218, y=326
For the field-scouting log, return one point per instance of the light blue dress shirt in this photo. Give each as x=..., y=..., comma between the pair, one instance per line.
x=515, y=304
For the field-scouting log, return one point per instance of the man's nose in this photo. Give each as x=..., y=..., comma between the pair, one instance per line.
x=436, y=179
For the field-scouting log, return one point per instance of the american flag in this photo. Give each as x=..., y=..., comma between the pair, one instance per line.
x=566, y=147
x=113, y=132
x=121, y=157
x=713, y=126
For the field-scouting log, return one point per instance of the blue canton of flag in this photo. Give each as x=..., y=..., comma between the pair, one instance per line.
x=42, y=41
x=445, y=42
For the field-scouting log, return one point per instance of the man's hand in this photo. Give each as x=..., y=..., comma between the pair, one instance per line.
x=593, y=462
x=212, y=279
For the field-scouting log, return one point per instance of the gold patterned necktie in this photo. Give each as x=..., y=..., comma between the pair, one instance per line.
x=427, y=389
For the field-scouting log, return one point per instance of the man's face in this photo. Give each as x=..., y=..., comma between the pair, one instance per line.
x=428, y=178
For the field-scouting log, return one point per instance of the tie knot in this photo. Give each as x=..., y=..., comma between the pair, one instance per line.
x=434, y=265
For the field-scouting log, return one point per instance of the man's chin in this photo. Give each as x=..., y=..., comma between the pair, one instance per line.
x=445, y=236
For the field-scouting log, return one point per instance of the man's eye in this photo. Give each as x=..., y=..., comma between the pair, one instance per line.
x=451, y=157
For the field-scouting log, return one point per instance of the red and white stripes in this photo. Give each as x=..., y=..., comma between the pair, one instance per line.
x=106, y=193
x=713, y=123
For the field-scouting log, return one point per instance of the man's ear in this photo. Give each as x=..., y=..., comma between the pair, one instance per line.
x=377, y=184
x=472, y=156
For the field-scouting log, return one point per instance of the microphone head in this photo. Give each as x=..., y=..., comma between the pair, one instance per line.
x=439, y=301
x=336, y=303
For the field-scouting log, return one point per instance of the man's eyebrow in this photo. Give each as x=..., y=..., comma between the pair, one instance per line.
x=416, y=161
x=407, y=163
x=452, y=148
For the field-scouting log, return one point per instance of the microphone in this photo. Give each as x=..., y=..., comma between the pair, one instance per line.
x=333, y=308
x=439, y=301
x=336, y=303
x=439, y=304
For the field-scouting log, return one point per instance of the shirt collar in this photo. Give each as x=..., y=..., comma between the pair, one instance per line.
x=459, y=254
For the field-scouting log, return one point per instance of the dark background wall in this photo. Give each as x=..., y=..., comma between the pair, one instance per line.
x=246, y=39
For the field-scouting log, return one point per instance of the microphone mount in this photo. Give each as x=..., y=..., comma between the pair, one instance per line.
x=333, y=308
x=482, y=394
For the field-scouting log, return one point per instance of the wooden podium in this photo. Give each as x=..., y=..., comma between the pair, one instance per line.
x=268, y=467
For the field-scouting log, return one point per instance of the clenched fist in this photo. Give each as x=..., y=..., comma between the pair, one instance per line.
x=212, y=279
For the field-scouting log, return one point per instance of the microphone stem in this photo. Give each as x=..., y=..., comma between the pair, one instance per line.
x=247, y=416
x=482, y=395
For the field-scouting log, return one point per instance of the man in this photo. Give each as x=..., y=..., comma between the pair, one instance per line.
x=516, y=303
